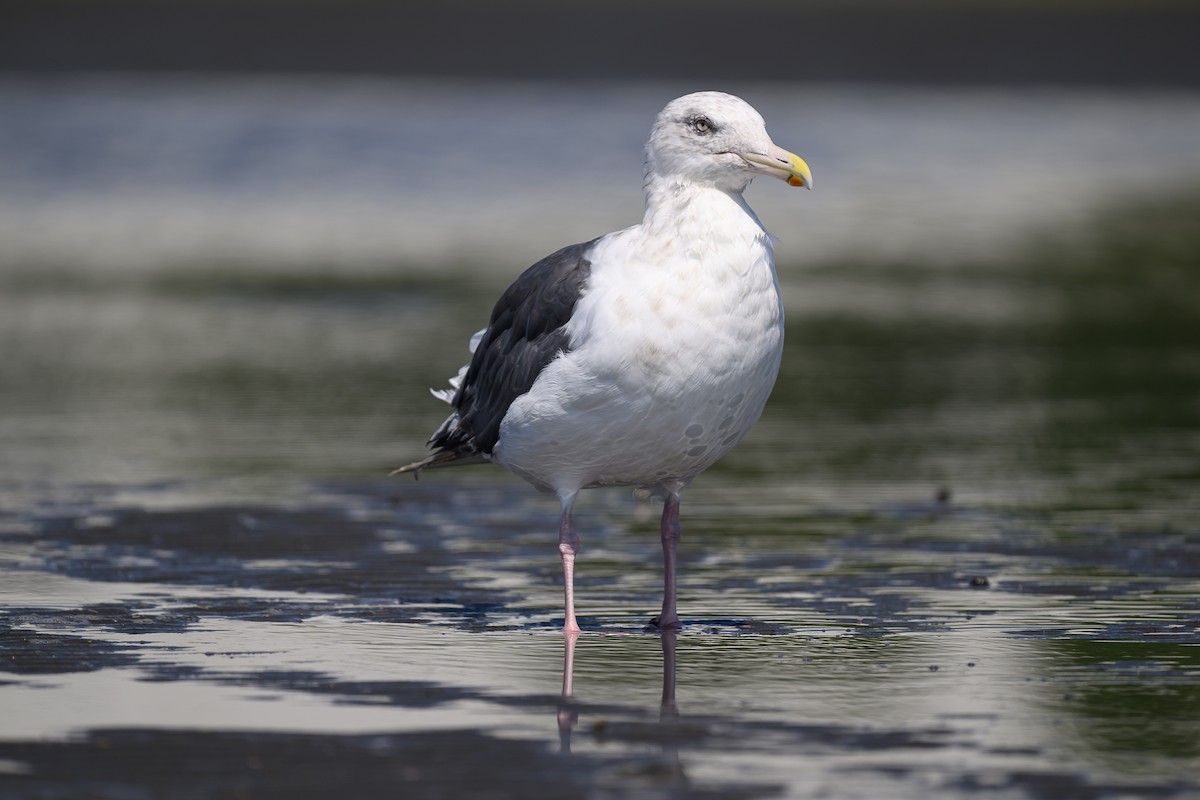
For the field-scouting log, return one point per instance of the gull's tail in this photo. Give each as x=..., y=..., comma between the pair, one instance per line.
x=456, y=457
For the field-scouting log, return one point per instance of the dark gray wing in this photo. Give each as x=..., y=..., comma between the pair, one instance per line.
x=525, y=334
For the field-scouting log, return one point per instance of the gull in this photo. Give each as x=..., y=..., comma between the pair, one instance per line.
x=643, y=356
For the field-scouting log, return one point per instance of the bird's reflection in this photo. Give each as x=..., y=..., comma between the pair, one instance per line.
x=568, y=717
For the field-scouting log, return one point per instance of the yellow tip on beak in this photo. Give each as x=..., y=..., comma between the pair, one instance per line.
x=800, y=174
x=782, y=164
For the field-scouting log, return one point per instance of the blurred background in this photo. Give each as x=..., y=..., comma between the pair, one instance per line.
x=239, y=239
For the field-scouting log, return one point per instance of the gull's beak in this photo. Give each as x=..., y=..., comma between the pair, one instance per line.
x=781, y=164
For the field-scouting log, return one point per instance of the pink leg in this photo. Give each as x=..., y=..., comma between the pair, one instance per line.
x=568, y=546
x=669, y=618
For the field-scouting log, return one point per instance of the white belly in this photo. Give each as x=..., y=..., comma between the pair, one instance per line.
x=672, y=369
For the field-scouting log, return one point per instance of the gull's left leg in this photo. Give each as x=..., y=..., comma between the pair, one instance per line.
x=568, y=547
x=669, y=618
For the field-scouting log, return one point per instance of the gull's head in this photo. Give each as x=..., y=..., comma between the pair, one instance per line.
x=716, y=139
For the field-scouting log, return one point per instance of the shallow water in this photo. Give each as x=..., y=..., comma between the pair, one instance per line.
x=914, y=652
x=959, y=556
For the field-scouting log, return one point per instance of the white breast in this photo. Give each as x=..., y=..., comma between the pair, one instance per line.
x=675, y=348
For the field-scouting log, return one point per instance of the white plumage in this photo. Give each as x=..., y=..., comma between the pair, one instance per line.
x=673, y=351
x=642, y=357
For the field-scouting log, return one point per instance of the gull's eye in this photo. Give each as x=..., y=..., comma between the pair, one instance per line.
x=702, y=125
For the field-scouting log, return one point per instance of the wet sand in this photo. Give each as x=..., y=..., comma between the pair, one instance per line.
x=377, y=641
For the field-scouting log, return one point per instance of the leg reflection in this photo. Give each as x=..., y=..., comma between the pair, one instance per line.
x=669, y=710
x=568, y=717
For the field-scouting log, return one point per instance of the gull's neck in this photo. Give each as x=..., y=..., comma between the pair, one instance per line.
x=702, y=211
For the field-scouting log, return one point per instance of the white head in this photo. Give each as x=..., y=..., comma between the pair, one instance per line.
x=716, y=139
